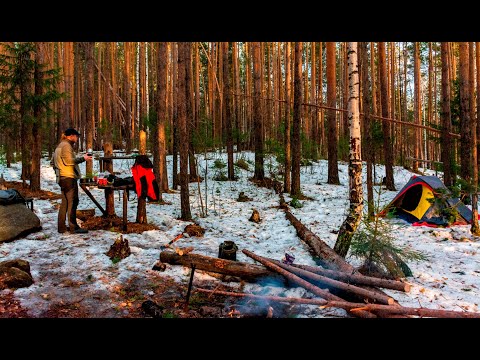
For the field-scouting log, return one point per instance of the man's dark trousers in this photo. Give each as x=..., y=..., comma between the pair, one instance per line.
x=69, y=204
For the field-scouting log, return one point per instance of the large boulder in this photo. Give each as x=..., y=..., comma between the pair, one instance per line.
x=17, y=220
x=15, y=274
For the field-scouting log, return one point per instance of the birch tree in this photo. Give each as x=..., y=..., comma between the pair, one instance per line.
x=355, y=159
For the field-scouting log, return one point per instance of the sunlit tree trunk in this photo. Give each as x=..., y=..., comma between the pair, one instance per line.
x=475, y=228
x=160, y=164
x=352, y=221
x=175, y=116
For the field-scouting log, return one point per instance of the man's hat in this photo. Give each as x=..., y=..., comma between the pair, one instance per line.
x=71, y=131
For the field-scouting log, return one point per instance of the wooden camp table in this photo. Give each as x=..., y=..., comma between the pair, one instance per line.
x=85, y=186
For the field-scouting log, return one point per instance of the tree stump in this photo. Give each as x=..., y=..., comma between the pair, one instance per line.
x=119, y=249
x=194, y=230
x=255, y=216
x=242, y=197
x=85, y=214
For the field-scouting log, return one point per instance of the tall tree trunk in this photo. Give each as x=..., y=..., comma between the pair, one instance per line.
x=477, y=72
x=175, y=117
x=228, y=110
x=445, y=116
x=331, y=116
x=288, y=162
x=183, y=62
x=321, y=138
x=418, y=104
x=465, y=123
x=159, y=154
x=26, y=127
x=37, y=119
x=68, y=76
x=257, y=113
x=89, y=114
x=387, y=138
x=475, y=228
x=108, y=166
x=297, y=121
x=352, y=221
x=190, y=111
x=392, y=95
x=368, y=148
x=128, y=97
x=238, y=99
x=313, y=100
x=429, y=155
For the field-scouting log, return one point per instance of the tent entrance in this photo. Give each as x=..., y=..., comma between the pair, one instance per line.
x=415, y=200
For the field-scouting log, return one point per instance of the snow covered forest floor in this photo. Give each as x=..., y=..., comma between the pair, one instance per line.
x=74, y=278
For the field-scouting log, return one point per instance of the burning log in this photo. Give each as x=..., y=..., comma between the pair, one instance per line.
x=367, y=294
x=354, y=278
x=248, y=272
x=299, y=281
x=350, y=306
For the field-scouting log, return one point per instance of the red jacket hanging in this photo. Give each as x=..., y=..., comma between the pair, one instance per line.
x=145, y=183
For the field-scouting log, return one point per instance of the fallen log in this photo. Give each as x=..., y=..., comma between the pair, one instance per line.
x=355, y=278
x=349, y=306
x=365, y=293
x=328, y=258
x=249, y=272
x=303, y=283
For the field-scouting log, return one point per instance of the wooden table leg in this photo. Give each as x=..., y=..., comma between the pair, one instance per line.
x=85, y=189
x=124, y=210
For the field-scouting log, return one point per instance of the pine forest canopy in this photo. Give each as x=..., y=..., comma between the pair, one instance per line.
x=418, y=99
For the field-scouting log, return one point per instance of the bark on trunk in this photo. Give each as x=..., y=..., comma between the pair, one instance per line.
x=354, y=217
x=328, y=258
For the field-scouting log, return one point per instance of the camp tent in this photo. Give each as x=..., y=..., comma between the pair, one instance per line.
x=412, y=203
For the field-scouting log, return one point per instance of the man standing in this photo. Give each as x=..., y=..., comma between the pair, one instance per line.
x=66, y=168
